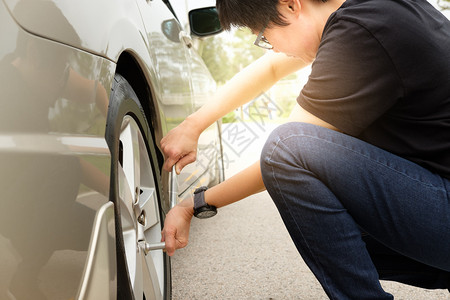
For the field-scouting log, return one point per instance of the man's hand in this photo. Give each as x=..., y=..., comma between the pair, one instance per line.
x=180, y=146
x=176, y=226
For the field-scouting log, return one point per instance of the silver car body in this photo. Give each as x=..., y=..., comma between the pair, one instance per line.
x=56, y=218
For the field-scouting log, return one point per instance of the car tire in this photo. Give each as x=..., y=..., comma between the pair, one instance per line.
x=135, y=190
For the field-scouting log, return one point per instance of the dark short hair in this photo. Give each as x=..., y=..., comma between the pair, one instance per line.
x=253, y=14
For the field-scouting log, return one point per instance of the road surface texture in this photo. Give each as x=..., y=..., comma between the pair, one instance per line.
x=245, y=252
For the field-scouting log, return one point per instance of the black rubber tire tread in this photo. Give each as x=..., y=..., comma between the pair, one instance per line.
x=123, y=101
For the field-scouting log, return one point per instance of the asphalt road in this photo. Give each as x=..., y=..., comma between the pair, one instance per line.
x=245, y=251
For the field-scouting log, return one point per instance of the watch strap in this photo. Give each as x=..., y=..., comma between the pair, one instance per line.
x=199, y=197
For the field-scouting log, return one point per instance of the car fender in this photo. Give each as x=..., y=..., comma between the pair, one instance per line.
x=120, y=29
x=104, y=34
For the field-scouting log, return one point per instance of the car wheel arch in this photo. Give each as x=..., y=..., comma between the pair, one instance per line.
x=131, y=69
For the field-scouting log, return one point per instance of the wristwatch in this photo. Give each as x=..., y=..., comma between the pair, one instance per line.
x=201, y=209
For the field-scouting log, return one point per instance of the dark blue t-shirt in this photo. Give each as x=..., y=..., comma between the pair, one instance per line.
x=382, y=74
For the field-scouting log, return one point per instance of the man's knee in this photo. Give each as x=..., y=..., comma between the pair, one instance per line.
x=272, y=147
x=279, y=143
x=276, y=153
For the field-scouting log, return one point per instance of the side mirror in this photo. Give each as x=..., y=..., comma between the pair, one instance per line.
x=204, y=22
x=171, y=30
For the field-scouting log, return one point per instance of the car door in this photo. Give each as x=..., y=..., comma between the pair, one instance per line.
x=183, y=82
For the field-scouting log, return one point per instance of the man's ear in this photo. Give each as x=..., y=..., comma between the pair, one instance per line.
x=289, y=7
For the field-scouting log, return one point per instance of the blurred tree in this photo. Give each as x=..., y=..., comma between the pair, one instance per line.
x=244, y=50
x=227, y=53
x=216, y=58
x=444, y=4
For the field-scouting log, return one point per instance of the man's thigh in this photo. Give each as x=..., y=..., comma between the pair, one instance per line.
x=398, y=202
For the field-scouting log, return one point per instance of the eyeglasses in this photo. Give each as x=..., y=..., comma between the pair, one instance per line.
x=261, y=41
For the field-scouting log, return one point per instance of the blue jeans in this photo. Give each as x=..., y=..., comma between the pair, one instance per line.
x=357, y=213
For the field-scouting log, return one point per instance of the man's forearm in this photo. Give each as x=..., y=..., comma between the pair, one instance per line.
x=180, y=144
x=246, y=85
x=243, y=184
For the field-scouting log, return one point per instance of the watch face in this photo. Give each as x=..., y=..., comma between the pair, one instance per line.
x=206, y=214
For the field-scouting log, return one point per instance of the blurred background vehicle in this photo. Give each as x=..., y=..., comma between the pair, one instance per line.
x=88, y=88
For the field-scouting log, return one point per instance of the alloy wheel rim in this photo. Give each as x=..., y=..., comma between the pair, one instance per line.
x=139, y=211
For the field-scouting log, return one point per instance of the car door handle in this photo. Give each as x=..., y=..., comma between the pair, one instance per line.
x=186, y=39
